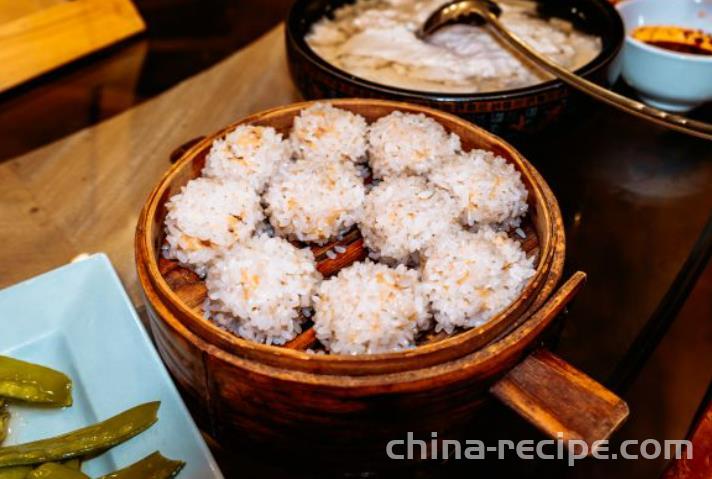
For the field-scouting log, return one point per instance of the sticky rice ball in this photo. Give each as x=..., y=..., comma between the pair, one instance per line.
x=470, y=277
x=408, y=144
x=370, y=308
x=488, y=189
x=207, y=216
x=250, y=153
x=313, y=202
x=257, y=289
x=323, y=132
x=402, y=215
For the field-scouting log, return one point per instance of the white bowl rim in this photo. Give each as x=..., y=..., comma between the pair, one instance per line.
x=693, y=57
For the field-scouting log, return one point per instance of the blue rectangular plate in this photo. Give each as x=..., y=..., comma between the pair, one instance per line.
x=79, y=320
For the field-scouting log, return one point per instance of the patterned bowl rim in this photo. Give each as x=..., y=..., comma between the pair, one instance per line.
x=612, y=45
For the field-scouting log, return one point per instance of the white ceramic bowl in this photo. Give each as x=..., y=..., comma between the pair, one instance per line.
x=663, y=78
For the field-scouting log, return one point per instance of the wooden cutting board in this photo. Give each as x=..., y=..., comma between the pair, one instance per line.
x=40, y=35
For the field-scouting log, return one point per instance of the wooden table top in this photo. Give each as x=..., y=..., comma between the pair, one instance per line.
x=83, y=194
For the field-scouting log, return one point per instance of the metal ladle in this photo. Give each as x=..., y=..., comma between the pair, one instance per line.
x=487, y=12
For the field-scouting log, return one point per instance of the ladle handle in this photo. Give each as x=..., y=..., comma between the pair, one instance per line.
x=668, y=120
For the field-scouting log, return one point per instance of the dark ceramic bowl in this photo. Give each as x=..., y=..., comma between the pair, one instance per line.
x=509, y=113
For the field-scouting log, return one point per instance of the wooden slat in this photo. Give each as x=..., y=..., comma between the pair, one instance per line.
x=51, y=36
x=191, y=289
x=304, y=341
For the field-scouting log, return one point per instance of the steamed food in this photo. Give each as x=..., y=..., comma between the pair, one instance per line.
x=488, y=190
x=209, y=214
x=403, y=215
x=370, y=308
x=375, y=40
x=313, y=202
x=247, y=153
x=408, y=144
x=258, y=288
x=322, y=132
x=433, y=217
x=470, y=277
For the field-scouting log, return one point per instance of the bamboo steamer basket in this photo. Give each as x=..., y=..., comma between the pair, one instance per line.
x=350, y=406
x=540, y=241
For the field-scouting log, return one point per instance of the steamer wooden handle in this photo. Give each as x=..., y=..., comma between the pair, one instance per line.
x=558, y=398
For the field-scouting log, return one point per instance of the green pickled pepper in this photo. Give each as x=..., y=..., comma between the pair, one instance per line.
x=4, y=420
x=53, y=470
x=15, y=472
x=33, y=383
x=153, y=466
x=83, y=442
